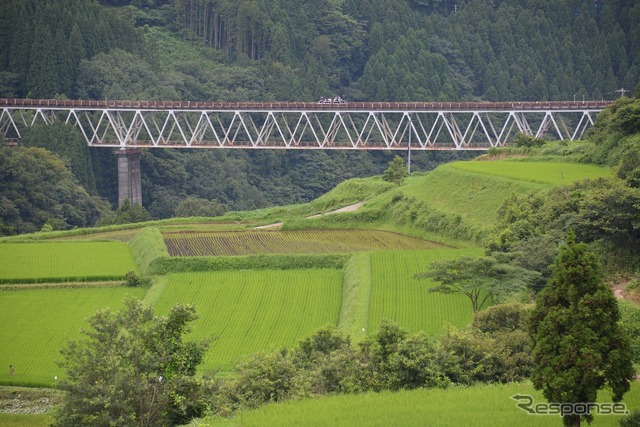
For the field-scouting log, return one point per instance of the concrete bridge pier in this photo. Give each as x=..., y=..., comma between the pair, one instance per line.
x=129, y=183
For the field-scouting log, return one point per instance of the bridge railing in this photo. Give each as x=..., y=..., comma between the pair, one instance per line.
x=295, y=105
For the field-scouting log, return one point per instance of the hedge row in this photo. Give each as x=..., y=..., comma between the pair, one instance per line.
x=60, y=279
x=167, y=265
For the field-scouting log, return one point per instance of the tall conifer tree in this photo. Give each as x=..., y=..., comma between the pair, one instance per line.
x=42, y=79
x=579, y=347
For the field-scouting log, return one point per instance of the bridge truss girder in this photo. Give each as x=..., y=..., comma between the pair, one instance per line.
x=303, y=129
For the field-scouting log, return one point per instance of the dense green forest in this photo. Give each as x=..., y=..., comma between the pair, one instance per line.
x=391, y=50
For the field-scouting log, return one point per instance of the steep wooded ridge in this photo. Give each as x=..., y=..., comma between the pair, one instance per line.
x=391, y=50
x=240, y=50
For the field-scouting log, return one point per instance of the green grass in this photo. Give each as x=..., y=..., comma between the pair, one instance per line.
x=25, y=420
x=147, y=246
x=356, y=296
x=554, y=173
x=251, y=311
x=43, y=261
x=485, y=405
x=474, y=196
x=35, y=324
x=288, y=242
x=397, y=296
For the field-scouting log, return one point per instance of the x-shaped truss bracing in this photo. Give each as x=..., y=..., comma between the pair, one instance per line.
x=382, y=129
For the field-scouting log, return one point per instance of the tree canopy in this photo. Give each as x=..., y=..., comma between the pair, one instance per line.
x=36, y=188
x=579, y=347
x=481, y=279
x=396, y=171
x=133, y=368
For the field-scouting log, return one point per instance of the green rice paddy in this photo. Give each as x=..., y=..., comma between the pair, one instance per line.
x=288, y=242
x=36, y=323
x=44, y=261
x=542, y=172
x=484, y=405
x=397, y=296
x=251, y=311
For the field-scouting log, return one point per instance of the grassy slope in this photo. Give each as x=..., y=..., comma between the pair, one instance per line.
x=475, y=190
x=486, y=405
x=456, y=204
x=475, y=196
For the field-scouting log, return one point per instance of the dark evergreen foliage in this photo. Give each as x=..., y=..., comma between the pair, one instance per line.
x=36, y=188
x=392, y=50
x=44, y=42
x=579, y=347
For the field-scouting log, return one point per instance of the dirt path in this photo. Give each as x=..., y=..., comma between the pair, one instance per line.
x=620, y=292
x=350, y=208
x=269, y=226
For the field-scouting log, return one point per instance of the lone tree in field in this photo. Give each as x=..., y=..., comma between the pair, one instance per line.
x=481, y=279
x=396, y=171
x=578, y=346
x=134, y=369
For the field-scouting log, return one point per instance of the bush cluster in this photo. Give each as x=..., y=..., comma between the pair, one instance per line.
x=495, y=349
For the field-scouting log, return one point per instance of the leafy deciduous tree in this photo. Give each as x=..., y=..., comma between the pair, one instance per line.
x=481, y=279
x=133, y=369
x=396, y=172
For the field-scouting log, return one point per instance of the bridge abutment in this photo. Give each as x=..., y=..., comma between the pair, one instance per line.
x=129, y=182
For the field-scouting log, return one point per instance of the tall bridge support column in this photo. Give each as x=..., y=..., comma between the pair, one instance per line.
x=129, y=183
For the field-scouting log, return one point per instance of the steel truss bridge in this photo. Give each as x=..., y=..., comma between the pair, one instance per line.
x=303, y=125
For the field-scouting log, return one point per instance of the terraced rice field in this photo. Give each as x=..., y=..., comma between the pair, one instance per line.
x=45, y=261
x=35, y=324
x=554, y=173
x=252, y=311
x=397, y=296
x=482, y=405
x=289, y=242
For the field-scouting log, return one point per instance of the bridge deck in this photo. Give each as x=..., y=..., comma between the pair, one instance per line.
x=306, y=106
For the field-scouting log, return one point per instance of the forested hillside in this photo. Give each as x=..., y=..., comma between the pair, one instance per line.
x=391, y=50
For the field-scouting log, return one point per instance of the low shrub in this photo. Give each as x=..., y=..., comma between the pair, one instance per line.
x=167, y=265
